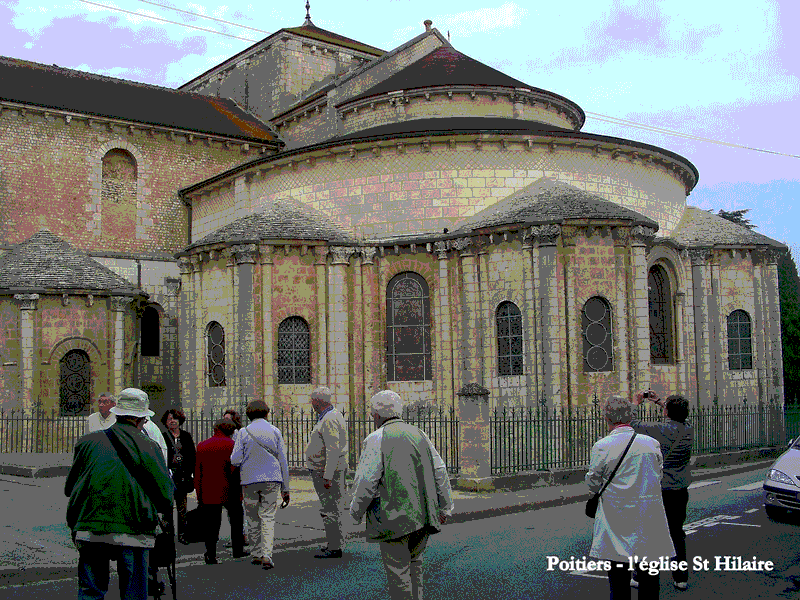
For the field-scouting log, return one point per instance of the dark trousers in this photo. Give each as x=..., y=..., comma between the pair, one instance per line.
x=93, y=571
x=619, y=580
x=675, y=502
x=212, y=516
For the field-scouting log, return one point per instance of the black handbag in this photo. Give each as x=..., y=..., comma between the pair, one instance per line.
x=594, y=501
x=163, y=554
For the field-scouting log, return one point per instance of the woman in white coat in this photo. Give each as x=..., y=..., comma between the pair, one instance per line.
x=630, y=520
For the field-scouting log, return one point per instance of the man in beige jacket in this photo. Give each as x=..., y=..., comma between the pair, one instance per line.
x=326, y=458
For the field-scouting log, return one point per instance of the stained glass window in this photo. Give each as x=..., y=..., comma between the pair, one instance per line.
x=75, y=383
x=216, y=354
x=294, y=351
x=408, y=328
x=659, y=307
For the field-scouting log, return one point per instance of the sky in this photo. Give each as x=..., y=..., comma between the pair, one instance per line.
x=700, y=69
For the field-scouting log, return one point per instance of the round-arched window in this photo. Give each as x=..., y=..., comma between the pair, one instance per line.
x=598, y=347
x=75, y=383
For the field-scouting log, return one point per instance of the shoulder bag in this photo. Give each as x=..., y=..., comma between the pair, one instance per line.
x=594, y=501
x=163, y=554
x=267, y=448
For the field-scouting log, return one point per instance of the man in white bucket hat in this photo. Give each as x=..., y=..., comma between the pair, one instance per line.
x=117, y=485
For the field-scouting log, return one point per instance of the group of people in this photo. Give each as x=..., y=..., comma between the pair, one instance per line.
x=127, y=474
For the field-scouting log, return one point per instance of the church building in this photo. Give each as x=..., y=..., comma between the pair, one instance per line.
x=318, y=211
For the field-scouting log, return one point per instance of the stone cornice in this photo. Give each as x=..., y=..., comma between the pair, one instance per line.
x=132, y=127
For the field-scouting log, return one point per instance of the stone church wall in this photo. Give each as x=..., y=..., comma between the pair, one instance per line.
x=10, y=354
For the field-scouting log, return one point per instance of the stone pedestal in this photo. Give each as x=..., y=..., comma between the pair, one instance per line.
x=475, y=453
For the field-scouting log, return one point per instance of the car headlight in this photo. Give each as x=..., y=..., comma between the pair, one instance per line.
x=780, y=477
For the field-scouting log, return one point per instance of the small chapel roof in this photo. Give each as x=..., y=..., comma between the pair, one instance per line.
x=549, y=201
x=700, y=228
x=284, y=219
x=46, y=262
x=51, y=86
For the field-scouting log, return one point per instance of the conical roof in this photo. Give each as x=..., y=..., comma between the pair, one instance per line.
x=45, y=261
x=550, y=201
x=700, y=228
x=285, y=219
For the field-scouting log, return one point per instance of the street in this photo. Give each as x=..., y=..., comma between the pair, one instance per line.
x=506, y=557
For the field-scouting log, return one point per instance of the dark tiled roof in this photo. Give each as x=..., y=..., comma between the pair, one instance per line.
x=700, y=228
x=59, y=88
x=45, y=261
x=443, y=66
x=323, y=35
x=286, y=219
x=550, y=201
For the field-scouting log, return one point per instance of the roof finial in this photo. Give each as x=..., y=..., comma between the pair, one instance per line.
x=308, y=14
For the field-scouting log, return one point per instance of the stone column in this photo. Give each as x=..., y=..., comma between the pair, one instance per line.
x=338, y=326
x=27, y=304
x=445, y=366
x=716, y=322
x=553, y=326
x=475, y=468
x=621, y=236
x=267, y=328
x=200, y=364
x=700, y=288
x=321, y=266
x=244, y=257
x=371, y=322
x=118, y=305
x=487, y=340
x=680, y=346
x=774, y=308
x=640, y=314
x=356, y=336
x=530, y=318
x=573, y=346
x=470, y=302
x=760, y=329
x=187, y=326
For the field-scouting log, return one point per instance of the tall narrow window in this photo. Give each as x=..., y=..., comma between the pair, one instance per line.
x=408, y=328
x=740, y=343
x=598, y=343
x=216, y=354
x=509, y=339
x=294, y=351
x=75, y=383
x=658, y=300
x=151, y=334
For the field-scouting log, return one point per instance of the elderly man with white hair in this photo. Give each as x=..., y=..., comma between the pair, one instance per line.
x=326, y=458
x=401, y=484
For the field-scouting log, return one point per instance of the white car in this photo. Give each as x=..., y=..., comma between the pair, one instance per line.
x=782, y=484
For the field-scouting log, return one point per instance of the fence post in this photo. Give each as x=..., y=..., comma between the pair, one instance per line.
x=475, y=460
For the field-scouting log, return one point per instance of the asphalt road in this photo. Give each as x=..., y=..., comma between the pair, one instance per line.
x=506, y=558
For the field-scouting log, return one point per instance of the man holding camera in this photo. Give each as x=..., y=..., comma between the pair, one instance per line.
x=676, y=439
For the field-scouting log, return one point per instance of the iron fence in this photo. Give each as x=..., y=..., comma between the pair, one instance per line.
x=542, y=438
x=39, y=430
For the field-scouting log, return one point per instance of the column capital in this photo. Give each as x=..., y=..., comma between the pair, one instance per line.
x=321, y=255
x=545, y=235
x=367, y=254
x=120, y=303
x=27, y=301
x=264, y=254
x=342, y=254
x=441, y=249
x=699, y=256
x=766, y=256
x=185, y=265
x=244, y=254
x=173, y=286
x=196, y=262
x=462, y=246
x=641, y=235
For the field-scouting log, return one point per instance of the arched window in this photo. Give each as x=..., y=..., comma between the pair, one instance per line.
x=598, y=342
x=75, y=383
x=119, y=177
x=509, y=339
x=294, y=351
x=740, y=344
x=151, y=334
x=408, y=328
x=660, y=309
x=216, y=354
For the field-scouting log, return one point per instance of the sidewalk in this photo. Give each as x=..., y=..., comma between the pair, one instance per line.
x=35, y=544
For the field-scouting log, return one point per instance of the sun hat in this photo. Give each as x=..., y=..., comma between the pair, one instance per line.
x=132, y=402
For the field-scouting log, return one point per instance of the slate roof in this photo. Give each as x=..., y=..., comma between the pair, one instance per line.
x=50, y=86
x=700, y=228
x=46, y=262
x=285, y=219
x=550, y=201
x=443, y=66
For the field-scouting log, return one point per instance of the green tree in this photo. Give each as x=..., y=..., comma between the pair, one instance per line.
x=738, y=217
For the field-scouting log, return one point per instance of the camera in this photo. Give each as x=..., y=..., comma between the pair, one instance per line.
x=648, y=394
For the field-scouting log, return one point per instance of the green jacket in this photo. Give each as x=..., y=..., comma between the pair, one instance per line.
x=104, y=497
